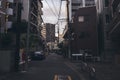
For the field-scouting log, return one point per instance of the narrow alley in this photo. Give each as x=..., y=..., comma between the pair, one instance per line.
x=46, y=70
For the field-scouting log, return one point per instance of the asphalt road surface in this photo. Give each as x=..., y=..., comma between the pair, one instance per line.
x=52, y=68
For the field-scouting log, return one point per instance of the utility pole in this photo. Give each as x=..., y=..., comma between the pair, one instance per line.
x=17, y=57
x=69, y=45
x=58, y=32
x=28, y=35
x=67, y=11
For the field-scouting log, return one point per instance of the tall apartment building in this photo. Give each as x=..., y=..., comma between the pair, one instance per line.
x=50, y=35
x=33, y=16
x=15, y=11
x=107, y=47
x=50, y=32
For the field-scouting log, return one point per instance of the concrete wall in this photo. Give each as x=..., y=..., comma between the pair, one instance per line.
x=5, y=61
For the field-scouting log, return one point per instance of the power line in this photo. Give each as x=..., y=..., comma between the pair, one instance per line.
x=54, y=6
x=51, y=8
x=59, y=11
x=59, y=14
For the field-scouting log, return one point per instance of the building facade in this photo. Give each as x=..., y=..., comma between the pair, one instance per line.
x=50, y=35
x=14, y=12
x=109, y=25
x=50, y=32
x=84, y=31
x=113, y=29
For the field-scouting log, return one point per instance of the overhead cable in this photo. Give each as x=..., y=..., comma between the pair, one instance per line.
x=59, y=14
x=51, y=8
x=54, y=6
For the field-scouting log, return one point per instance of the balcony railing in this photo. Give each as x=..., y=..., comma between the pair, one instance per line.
x=9, y=24
x=9, y=11
x=76, y=1
x=114, y=23
x=10, y=1
x=75, y=7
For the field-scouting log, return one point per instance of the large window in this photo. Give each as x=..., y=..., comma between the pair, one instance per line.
x=81, y=19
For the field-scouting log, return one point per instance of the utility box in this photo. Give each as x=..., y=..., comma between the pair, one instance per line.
x=6, y=59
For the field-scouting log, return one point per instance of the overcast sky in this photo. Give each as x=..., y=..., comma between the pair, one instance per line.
x=51, y=10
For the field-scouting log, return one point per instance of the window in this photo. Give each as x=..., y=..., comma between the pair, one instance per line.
x=106, y=3
x=81, y=19
x=107, y=18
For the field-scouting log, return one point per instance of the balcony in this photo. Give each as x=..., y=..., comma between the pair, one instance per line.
x=9, y=24
x=76, y=1
x=9, y=11
x=10, y=1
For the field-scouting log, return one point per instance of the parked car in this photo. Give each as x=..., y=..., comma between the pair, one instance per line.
x=38, y=55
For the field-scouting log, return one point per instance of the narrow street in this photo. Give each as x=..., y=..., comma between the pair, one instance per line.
x=53, y=66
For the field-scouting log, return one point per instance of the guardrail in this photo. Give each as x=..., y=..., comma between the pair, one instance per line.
x=81, y=57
